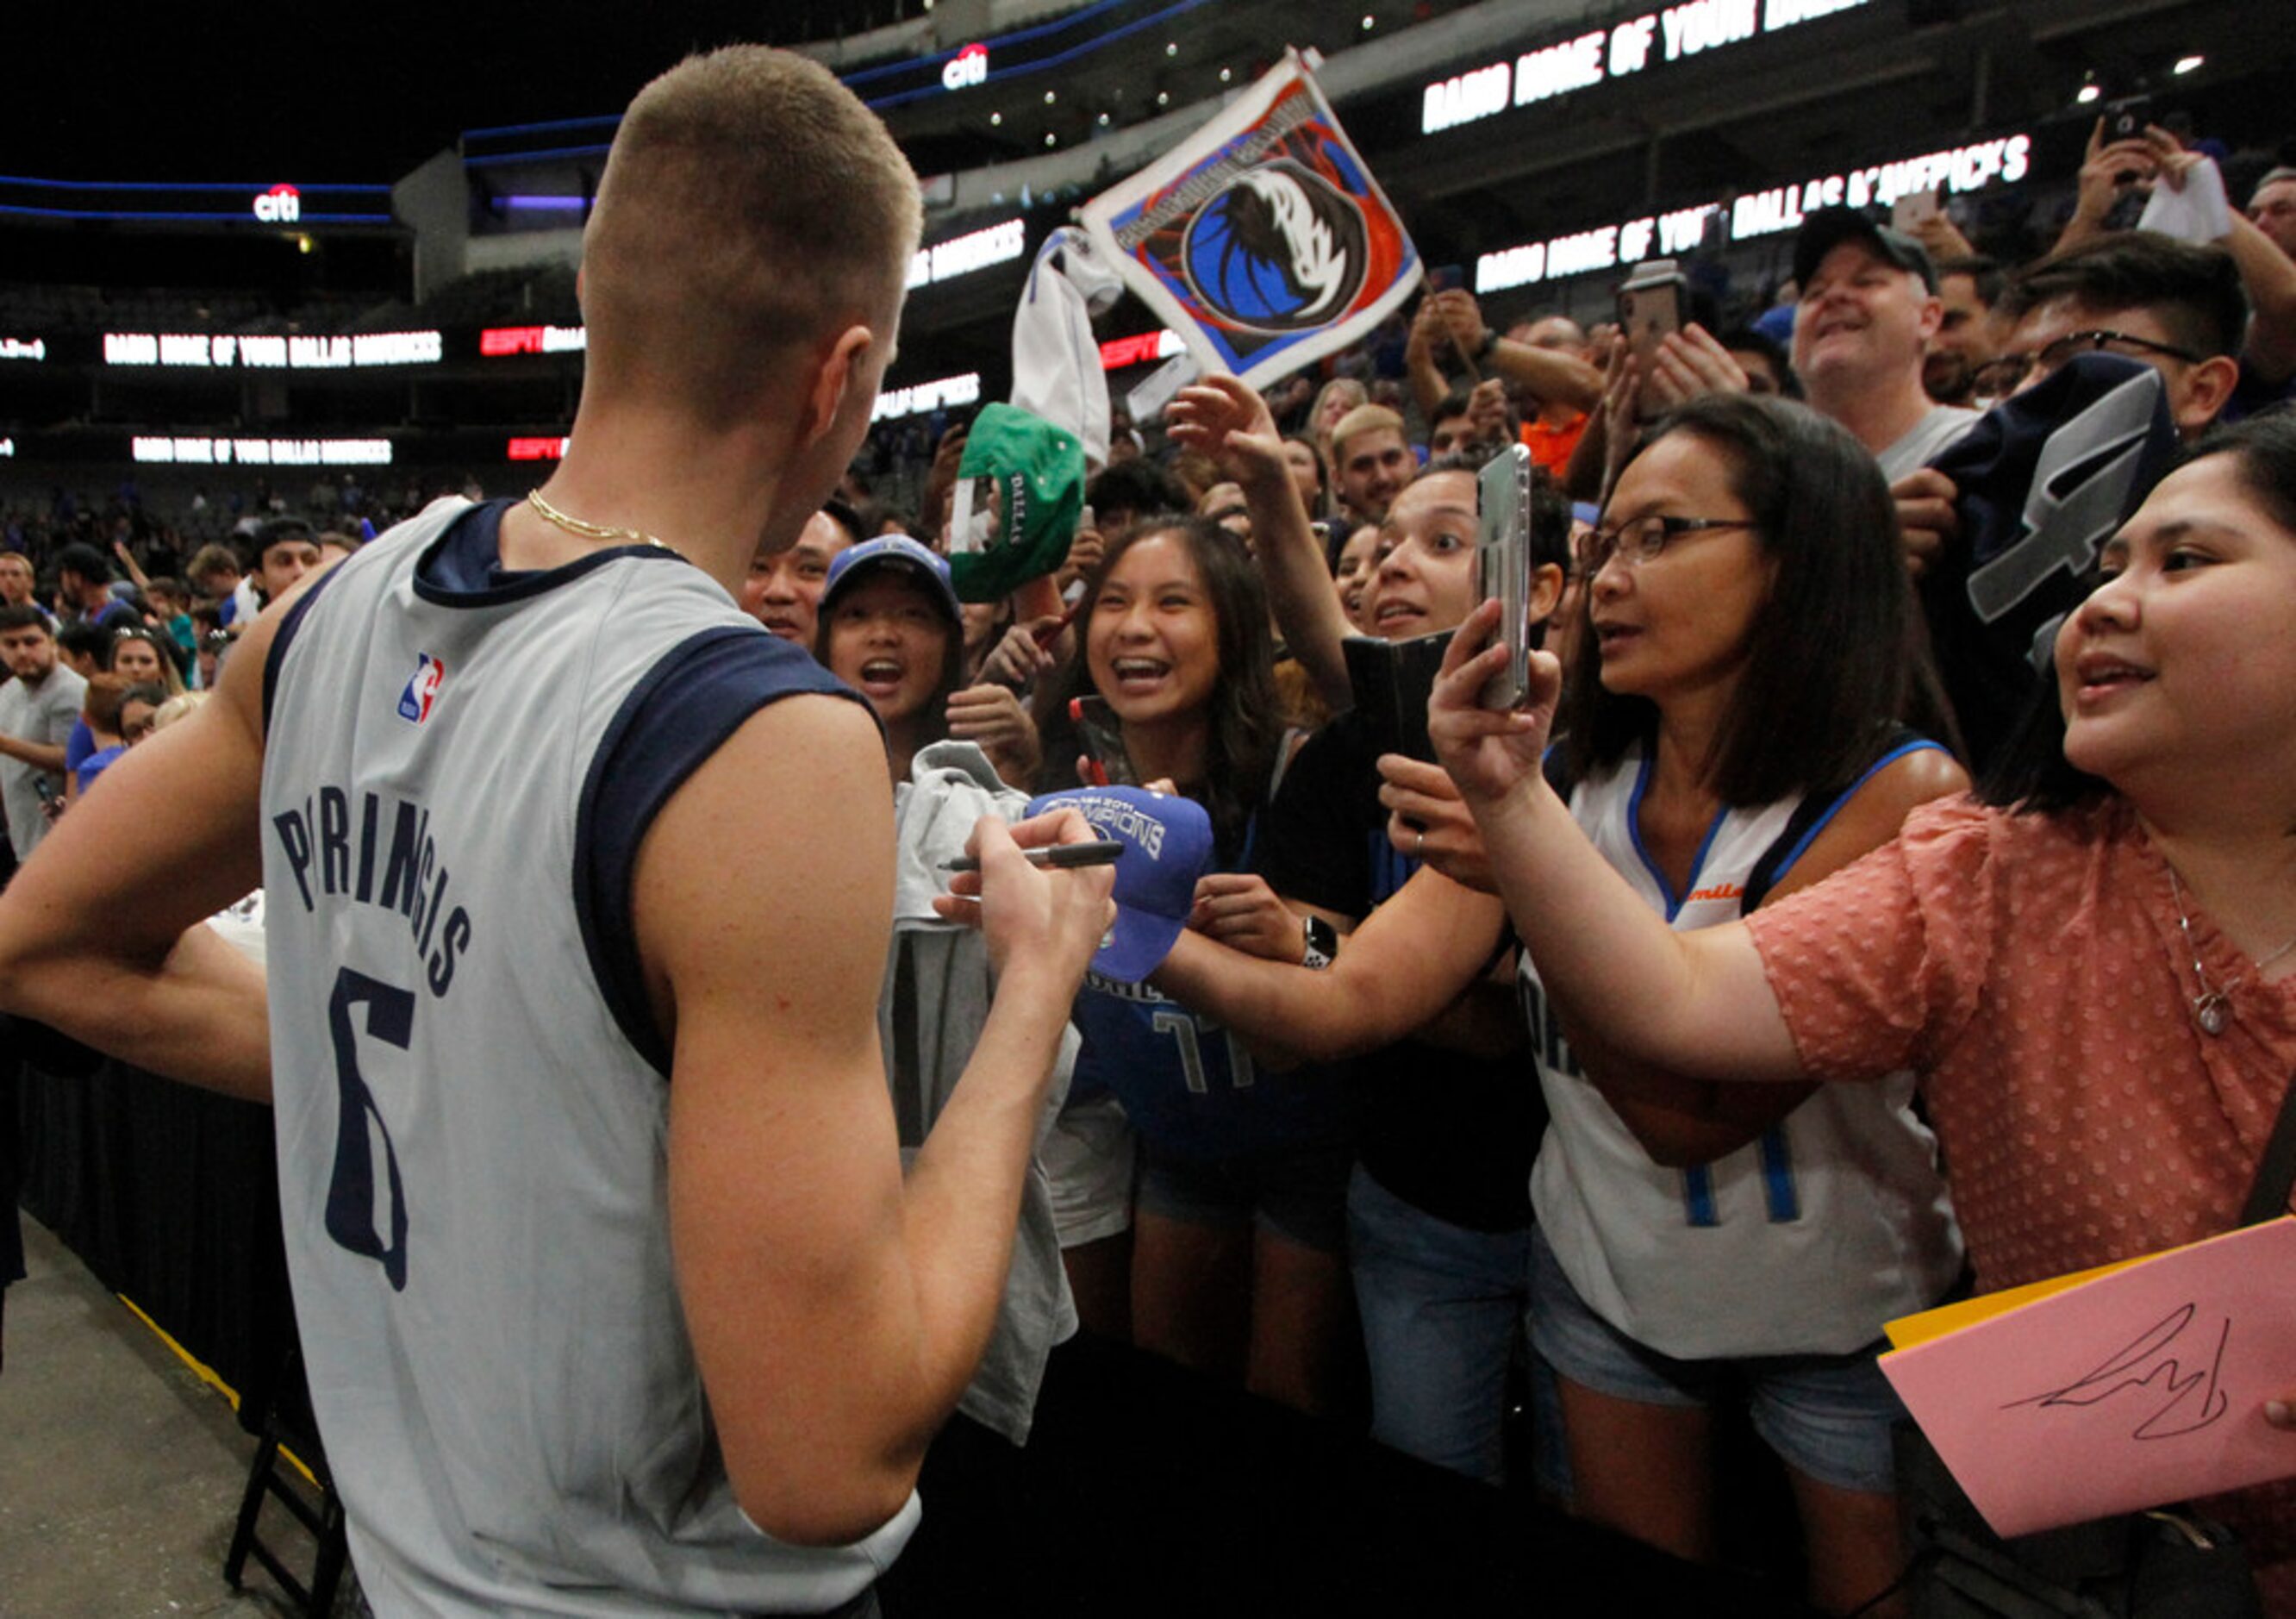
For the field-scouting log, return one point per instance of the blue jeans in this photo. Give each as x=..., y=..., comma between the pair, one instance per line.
x=1829, y=1416
x=1439, y=1306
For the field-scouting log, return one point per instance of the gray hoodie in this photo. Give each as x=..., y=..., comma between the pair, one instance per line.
x=935, y=1001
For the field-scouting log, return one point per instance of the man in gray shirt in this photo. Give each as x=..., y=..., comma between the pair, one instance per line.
x=1869, y=306
x=38, y=706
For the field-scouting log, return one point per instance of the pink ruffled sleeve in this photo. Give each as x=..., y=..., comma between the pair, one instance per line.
x=1878, y=967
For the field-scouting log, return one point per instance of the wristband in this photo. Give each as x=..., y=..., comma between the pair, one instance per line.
x=1491, y=342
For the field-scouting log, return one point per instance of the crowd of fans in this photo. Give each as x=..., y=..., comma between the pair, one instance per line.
x=1780, y=642
x=1778, y=556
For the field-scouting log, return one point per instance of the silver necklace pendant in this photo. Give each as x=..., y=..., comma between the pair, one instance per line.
x=2212, y=1011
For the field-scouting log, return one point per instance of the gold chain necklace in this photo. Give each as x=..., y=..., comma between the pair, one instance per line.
x=2212, y=1006
x=589, y=531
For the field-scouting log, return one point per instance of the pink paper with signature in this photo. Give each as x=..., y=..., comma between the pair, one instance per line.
x=2140, y=1388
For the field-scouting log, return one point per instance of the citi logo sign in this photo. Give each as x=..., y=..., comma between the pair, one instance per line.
x=422, y=693
x=281, y=205
x=967, y=68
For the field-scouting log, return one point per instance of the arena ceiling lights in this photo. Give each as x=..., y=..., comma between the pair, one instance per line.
x=959, y=71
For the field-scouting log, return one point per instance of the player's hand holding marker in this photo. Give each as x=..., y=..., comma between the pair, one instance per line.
x=1050, y=920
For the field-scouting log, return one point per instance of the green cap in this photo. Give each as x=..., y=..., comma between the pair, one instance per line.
x=1039, y=470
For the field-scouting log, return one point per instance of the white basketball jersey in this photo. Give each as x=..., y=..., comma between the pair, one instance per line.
x=471, y=1119
x=1803, y=1241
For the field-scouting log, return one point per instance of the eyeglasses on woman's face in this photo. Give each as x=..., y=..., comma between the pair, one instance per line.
x=1644, y=539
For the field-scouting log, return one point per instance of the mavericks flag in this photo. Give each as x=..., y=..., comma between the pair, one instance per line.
x=1261, y=239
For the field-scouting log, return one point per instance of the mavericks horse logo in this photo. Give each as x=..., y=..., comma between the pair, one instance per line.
x=1281, y=249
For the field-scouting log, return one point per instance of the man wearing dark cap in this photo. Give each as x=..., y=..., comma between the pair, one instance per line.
x=1869, y=308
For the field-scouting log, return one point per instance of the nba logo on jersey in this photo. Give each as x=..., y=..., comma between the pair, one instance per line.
x=422, y=688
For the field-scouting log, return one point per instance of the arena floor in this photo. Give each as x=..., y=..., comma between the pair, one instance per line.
x=123, y=1468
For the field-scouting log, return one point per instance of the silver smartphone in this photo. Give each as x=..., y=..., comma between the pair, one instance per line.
x=1649, y=307
x=1503, y=566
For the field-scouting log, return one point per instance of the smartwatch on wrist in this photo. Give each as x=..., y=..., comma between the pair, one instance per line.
x=1321, y=943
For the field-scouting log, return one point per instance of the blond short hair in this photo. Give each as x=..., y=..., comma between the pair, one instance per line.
x=751, y=204
x=178, y=707
x=1361, y=419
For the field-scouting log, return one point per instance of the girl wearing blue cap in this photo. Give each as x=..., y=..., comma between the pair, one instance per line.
x=890, y=630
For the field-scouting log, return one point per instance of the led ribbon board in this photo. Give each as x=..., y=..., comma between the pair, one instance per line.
x=1585, y=60
x=1757, y=213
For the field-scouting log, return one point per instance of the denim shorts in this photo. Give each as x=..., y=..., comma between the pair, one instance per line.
x=1301, y=1197
x=1088, y=1156
x=1828, y=1416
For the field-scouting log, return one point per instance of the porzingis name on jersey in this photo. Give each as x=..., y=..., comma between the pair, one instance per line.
x=384, y=855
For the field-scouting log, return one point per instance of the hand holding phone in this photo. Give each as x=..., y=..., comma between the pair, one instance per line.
x=1650, y=309
x=1909, y=212
x=1502, y=565
x=1100, y=735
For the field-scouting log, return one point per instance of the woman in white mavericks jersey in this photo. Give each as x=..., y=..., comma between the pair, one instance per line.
x=1731, y=732
x=613, y=1297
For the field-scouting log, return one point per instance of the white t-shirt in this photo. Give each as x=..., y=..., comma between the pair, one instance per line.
x=44, y=714
x=1926, y=440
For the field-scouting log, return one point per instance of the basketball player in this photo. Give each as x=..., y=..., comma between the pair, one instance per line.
x=613, y=1297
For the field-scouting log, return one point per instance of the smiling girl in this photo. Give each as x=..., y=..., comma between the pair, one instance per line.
x=1235, y=1266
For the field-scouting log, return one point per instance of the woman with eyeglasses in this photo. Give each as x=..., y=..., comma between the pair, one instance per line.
x=1730, y=734
x=1744, y=652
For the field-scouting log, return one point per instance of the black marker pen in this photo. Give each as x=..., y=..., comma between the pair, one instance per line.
x=1060, y=857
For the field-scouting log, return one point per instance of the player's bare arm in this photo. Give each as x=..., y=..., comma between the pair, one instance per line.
x=837, y=1312
x=103, y=935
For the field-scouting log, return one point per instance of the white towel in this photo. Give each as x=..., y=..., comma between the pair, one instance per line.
x=2196, y=212
x=1056, y=371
